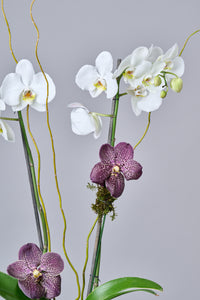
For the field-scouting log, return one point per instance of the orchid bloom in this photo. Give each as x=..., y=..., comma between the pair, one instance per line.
x=98, y=78
x=84, y=122
x=116, y=163
x=37, y=273
x=24, y=87
x=6, y=131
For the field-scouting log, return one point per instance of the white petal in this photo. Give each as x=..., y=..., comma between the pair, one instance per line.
x=76, y=105
x=81, y=122
x=136, y=110
x=111, y=85
x=142, y=69
x=25, y=69
x=39, y=87
x=86, y=77
x=2, y=105
x=38, y=106
x=138, y=55
x=104, y=63
x=12, y=87
x=7, y=133
x=97, y=124
x=122, y=66
x=94, y=92
x=171, y=53
x=154, y=53
x=151, y=102
x=178, y=66
x=157, y=67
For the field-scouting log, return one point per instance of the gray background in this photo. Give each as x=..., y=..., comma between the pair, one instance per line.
x=156, y=234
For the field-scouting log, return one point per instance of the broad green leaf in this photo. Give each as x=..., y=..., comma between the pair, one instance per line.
x=9, y=289
x=121, y=286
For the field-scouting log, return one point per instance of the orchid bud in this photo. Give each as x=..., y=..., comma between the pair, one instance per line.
x=176, y=84
x=157, y=80
x=163, y=94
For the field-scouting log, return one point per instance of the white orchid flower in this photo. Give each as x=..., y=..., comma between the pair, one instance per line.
x=84, y=122
x=98, y=78
x=173, y=62
x=24, y=87
x=145, y=98
x=6, y=131
x=135, y=65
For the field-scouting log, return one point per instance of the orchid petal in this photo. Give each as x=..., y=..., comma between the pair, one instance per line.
x=131, y=169
x=143, y=68
x=104, y=63
x=39, y=87
x=8, y=133
x=25, y=69
x=31, y=288
x=86, y=77
x=112, y=86
x=81, y=121
x=97, y=124
x=2, y=105
x=115, y=185
x=94, y=92
x=100, y=173
x=18, y=270
x=38, y=106
x=138, y=55
x=178, y=66
x=12, y=87
x=154, y=53
x=107, y=154
x=31, y=254
x=171, y=53
x=134, y=105
x=20, y=106
x=150, y=103
x=52, y=285
x=52, y=263
x=123, y=152
x=122, y=66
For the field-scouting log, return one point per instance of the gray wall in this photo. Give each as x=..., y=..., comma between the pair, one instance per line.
x=156, y=234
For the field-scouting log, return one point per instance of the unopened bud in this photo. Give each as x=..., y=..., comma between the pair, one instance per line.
x=176, y=84
x=163, y=94
x=157, y=80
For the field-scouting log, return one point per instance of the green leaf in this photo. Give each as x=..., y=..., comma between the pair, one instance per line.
x=121, y=286
x=9, y=289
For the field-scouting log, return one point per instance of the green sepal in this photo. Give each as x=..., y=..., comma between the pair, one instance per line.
x=9, y=289
x=121, y=286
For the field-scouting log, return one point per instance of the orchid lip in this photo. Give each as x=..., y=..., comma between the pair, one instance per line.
x=99, y=85
x=28, y=95
x=36, y=274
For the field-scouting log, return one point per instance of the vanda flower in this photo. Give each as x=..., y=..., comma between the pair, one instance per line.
x=24, y=87
x=116, y=163
x=98, y=78
x=84, y=122
x=38, y=273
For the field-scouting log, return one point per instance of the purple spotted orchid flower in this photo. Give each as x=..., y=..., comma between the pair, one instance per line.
x=38, y=273
x=116, y=163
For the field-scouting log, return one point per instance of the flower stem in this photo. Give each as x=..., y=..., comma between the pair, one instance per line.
x=148, y=124
x=9, y=119
x=100, y=226
x=198, y=30
x=33, y=184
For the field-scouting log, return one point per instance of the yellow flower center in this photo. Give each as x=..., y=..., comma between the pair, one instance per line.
x=128, y=74
x=100, y=86
x=36, y=273
x=168, y=65
x=28, y=96
x=115, y=170
x=147, y=81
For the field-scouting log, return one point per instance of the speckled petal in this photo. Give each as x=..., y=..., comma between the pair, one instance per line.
x=100, y=172
x=115, y=185
x=52, y=285
x=31, y=287
x=123, y=152
x=131, y=169
x=18, y=270
x=52, y=263
x=106, y=154
x=31, y=254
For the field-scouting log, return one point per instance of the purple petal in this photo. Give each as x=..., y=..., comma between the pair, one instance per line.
x=100, y=172
x=31, y=287
x=52, y=285
x=18, y=270
x=31, y=254
x=115, y=184
x=123, y=152
x=52, y=263
x=106, y=154
x=131, y=169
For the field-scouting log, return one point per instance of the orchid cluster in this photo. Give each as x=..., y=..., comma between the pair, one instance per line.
x=148, y=74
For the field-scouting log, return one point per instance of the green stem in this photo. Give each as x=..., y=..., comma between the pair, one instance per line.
x=9, y=119
x=102, y=115
x=100, y=227
x=33, y=184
